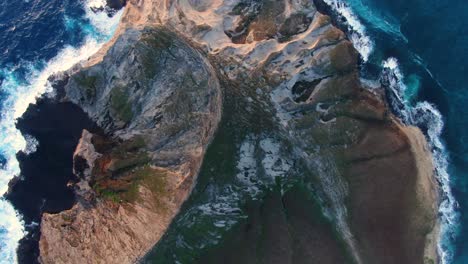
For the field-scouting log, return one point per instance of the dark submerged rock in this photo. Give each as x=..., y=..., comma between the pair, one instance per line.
x=46, y=173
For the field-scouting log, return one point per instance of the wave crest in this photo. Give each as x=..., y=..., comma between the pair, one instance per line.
x=426, y=116
x=358, y=35
x=20, y=93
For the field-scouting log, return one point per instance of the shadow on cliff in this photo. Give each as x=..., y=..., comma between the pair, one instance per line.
x=42, y=185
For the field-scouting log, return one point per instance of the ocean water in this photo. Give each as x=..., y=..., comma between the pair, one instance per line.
x=421, y=47
x=37, y=39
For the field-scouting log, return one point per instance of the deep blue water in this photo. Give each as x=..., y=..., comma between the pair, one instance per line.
x=37, y=38
x=429, y=38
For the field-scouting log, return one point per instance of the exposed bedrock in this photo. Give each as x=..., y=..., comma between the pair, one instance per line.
x=158, y=98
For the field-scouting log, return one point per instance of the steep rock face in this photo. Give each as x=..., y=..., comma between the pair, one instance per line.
x=158, y=102
x=374, y=173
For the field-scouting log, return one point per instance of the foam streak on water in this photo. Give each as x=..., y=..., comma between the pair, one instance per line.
x=21, y=93
x=361, y=41
x=426, y=116
x=421, y=114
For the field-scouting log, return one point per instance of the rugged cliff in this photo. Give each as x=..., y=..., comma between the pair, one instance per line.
x=155, y=90
x=158, y=102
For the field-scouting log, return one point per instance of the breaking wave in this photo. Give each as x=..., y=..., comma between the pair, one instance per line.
x=400, y=96
x=358, y=35
x=20, y=92
x=426, y=116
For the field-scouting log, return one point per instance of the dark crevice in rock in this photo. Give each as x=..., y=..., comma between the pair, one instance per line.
x=248, y=11
x=79, y=165
x=46, y=173
x=293, y=25
x=327, y=118
x=302, y=90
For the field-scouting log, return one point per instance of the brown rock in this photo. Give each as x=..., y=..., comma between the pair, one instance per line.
x=375, y=174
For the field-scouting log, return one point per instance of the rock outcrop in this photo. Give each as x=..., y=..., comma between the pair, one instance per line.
x=158, y=102
x=154, y=90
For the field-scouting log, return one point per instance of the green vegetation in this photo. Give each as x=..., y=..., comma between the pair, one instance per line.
x=88, y=83
x=126, y=188
x=161, y=39
x=153, y=179
x=150, y=63
x=67, y=218
x=111, y=195
x=121, y=105
x=122, y=169
x=128, y=161
x=156, y=45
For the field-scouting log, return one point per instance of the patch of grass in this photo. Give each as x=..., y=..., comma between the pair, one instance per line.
x=150, y=63
x=153, y=179
x=155, y=48
x=88, y=83
x=120, y=104
x=128, y=161
x=127, y=188
x=158, y=40
x=111, y=195
x=67, y=218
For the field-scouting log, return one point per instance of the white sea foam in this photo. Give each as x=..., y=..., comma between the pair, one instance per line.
x=21, y=93
x=426, y=115
x=96, y=3
x=358, y=35
x=422, y=114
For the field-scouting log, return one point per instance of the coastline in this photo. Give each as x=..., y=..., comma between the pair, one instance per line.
x=46, y=173
x=427, y=182
x=420, y=140
x=26, y=81
x=132, y=18
x=144, y=168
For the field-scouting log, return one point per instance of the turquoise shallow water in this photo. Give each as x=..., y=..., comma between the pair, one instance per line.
x=430, y=41
x=37, y=39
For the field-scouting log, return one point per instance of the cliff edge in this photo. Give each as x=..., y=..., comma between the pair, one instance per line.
x=158, y=102
x=156, y=90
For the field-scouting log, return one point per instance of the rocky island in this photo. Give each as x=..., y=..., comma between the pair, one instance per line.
x=346, y=180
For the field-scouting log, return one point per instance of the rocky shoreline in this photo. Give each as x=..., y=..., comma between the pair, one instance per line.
x=46, y=173
x=156, y=92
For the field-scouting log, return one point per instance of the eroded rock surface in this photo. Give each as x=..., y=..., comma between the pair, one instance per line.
x=158, y=101
x=157, y=95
